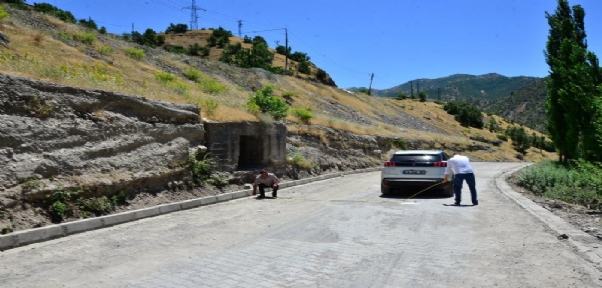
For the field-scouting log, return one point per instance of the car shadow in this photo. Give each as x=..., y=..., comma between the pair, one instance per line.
x=411, y=194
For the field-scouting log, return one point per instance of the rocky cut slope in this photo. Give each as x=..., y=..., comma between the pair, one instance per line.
x=57, y=137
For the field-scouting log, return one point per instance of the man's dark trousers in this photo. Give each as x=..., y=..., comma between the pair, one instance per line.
x=470, y=180
x=262, y=190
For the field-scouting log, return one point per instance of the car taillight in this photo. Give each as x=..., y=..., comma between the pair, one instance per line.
x=389, y=163
x=440, y=164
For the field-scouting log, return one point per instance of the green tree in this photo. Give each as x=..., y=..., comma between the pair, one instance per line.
x=422, y=96
x=573, y=101
x=90, y=24
x=269, y=103
x=177, y=28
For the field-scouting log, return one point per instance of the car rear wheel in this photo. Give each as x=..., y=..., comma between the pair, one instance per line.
x=385, y=190
x=448, y=191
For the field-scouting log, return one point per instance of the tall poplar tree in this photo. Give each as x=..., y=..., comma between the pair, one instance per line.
x=573, y=99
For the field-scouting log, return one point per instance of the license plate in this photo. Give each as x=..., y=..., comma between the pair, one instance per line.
x=414, y=172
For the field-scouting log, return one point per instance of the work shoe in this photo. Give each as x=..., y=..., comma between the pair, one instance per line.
x=457, y=203
x=274, y=196
x=260, y=196
x=475, y=203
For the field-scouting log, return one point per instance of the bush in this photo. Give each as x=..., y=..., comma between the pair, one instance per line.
x=86, y=38
x=502, y=137
x=209, y=106
x=578, y=182
x=298, y=161
x=303, y=115
x=135, y=53
x=268, y=103
x=399, y=143
x=104, y=50
x=211, y=86
x=165, y=77
x=3, y=14
x=175, y=49
x=193, y=74
x=200, y=169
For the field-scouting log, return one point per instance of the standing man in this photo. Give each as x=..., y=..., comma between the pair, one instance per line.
x=263, y=180
x=460, y=165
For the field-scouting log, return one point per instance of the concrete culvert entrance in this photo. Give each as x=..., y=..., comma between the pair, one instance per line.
x=251, y=152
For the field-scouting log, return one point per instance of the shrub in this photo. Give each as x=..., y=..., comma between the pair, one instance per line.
x=576, y=182
x=288, y=95
x=303, y=115
x=165, y=77
x=304, y=67
x=399, y=143
x=209, y=106
x=86, y=38
x=3, y=14
x=135, y=53
x=175, y=49
x=209, y=85
x=192, y=74
x=200, y=169
x=502, y=137
x=104, y=50
x=298, y=161
x=268, y=103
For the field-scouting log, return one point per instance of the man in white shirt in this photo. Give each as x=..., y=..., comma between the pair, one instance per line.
x=460, y=165
x=263, y=180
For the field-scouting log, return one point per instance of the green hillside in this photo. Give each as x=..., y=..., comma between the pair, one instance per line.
x=525, y=106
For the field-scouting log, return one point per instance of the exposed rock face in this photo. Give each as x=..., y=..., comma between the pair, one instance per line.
x=54, y=136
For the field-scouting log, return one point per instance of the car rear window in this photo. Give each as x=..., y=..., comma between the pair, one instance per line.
x=416, y=158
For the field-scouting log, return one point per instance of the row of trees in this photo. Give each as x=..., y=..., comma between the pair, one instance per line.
x=466, y=114
x=64, y=16
x=574, y=104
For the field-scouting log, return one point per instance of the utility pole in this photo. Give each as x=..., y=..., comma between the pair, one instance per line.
x=286, y=49
x=370, y=87
x=239, y=26
x=277, y=42
x=412, y=89
x=439, y=94
x=418, y=88
x=194, y=24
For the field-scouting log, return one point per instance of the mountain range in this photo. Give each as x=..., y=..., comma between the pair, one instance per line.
x=519, y=99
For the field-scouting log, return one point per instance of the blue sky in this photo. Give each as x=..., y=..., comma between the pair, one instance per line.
x=397, y=40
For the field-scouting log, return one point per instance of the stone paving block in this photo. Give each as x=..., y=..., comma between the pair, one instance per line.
x=189, y=204
x=224, y=197
x=82, y=225
x=120, y=218
x=241, y=194
x=208, y=200
x=8, y=241
x=39, y=234
x=168, y=208
x=148, y=212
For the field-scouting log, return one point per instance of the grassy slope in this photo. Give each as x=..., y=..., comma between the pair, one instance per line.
x=38, y=53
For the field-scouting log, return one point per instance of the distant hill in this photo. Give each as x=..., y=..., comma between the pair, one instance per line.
x=525, y=106
x=460, y=87
x=518, y=99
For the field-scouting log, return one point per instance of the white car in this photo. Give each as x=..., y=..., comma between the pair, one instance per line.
x=416, y=169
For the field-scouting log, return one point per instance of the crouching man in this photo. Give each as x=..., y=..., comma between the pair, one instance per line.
x=264, y=180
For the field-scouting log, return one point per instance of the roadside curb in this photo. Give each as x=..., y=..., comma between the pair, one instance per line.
x=30, y=236
x=585, y=245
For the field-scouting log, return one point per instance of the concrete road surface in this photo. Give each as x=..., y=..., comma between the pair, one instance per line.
x=333, y=233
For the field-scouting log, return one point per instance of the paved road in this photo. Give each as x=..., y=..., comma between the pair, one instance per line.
x=334, y=233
